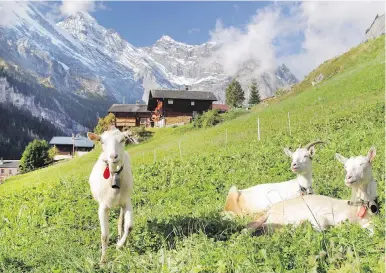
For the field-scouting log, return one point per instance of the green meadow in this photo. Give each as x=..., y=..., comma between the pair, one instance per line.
x=49, y=222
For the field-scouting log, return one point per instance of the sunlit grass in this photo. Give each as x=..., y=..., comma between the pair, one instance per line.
x=48, y=220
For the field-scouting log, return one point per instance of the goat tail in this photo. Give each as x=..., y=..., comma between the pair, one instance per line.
x=232, y=203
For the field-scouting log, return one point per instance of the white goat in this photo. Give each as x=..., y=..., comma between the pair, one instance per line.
x=260, y=197
x=323, y=211
x=111, y=183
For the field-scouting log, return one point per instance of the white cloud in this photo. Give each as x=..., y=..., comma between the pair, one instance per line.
x=238, y=46
x=329, y=29
x=193, y=30
x=70, y=7
x=7, y=12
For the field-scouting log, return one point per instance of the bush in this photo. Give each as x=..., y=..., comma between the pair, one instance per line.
x=104, y=123
x=35, y=155
x=208, y=119
x=139, y=133
x=52, y=152
x=234, y=113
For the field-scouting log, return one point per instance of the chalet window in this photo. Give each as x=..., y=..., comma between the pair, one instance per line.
x=2, y=171
x=192, y=103
x=170, y=101
x=10, y=172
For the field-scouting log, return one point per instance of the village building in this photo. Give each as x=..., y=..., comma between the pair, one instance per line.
x=68, y=146
x=131, y=115
x=8, y=168
x=222, y=108
x=170, y=107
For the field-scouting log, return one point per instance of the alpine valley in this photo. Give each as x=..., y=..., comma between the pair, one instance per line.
x=67, y=74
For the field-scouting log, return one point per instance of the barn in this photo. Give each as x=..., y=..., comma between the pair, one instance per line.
x=67, y=146
x=176, y=107
x=131, y=115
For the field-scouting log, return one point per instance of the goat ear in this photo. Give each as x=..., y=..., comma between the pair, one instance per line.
x=371, y=154
x=341, y=158
x=93, y=137
x=287, y=152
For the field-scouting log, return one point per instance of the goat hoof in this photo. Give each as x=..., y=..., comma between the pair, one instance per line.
x=120, y=244
x=103, y=261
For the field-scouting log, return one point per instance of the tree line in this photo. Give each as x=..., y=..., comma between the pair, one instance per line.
x=235, y=96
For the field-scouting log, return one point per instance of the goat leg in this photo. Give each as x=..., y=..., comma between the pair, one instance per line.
x=104, y=222
x=128, y=223
x=120, y=223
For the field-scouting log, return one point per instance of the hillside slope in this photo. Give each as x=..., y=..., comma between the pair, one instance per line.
x=49, y=220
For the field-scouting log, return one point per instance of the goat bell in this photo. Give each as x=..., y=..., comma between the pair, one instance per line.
x=116, y=181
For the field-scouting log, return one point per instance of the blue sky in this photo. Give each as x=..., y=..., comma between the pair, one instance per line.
x=142, y=23
x=301, y=35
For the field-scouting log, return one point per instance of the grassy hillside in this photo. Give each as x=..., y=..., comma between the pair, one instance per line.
x=49, y=221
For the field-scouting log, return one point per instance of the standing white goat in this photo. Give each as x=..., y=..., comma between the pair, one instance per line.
x=323, y=211
x=260, y=197
x=111, y=183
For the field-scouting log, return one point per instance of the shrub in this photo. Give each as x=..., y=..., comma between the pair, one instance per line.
x=52, y=152
x=35, y=156
x=234, y=113
x=208, y=119
x=139, y=133
x=104, y=123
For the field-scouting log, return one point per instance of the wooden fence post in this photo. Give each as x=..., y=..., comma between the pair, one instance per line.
x=258, y=129
x=179, y=147
x=289, y=123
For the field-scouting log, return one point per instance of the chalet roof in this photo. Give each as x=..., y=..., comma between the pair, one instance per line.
x=10, y=164
x=179, y=94
x=82, y=142
x=223, y=107
x=128, y=108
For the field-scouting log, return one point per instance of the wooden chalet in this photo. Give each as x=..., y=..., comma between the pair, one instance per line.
x=67, y=146
x=8, y=168
x=131, y=115
x=222, y=108
x=176, y=107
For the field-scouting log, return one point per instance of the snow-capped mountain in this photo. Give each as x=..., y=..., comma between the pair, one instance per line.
x=82, y=59
x=194, y=66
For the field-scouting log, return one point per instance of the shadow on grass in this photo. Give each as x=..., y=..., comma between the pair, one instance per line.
x=170, y=231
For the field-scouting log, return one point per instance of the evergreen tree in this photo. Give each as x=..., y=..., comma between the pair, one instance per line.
x=234, y=94
x=254, y=96
x=35, y=156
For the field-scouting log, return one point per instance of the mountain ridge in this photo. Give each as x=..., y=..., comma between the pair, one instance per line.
x=80, y=58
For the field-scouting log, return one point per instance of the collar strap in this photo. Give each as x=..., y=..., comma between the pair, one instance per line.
x=305, y=191
x=358, y=203
x=368, y=205
x=119, y=171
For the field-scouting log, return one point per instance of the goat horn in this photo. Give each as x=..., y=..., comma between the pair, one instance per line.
x=309, y=145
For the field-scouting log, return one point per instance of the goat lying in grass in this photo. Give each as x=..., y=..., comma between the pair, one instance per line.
x=111, y=184
x=324, y=211
x=260, y=197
